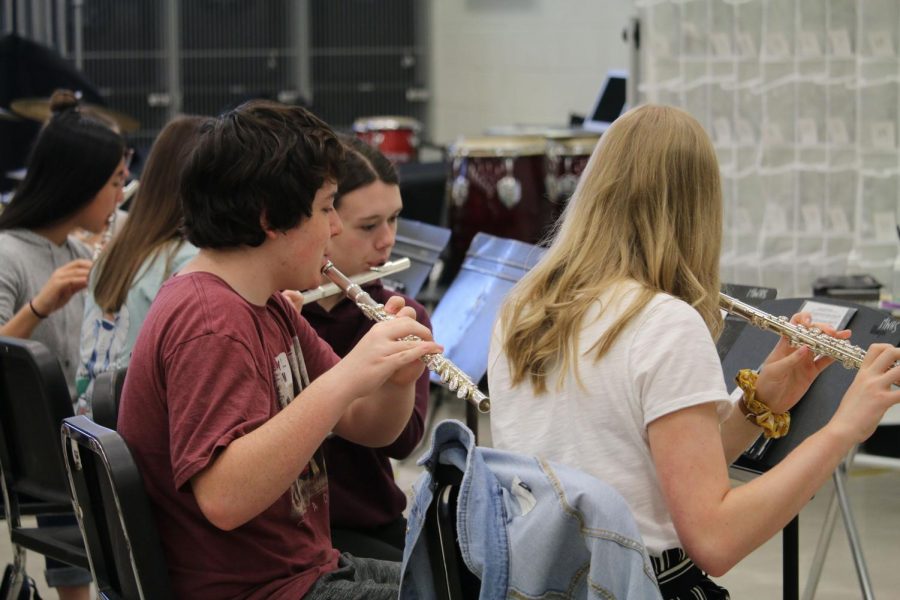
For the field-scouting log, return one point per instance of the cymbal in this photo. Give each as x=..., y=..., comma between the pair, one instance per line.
x=38, y=109
x=5, y=115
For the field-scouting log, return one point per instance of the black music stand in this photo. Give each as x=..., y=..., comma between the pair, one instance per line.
x=749, y=294
x=422, y=244
x=813, y=411
x=464, y=318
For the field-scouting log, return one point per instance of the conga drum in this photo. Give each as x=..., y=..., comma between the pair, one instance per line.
x=395, y=137
x=568, y=152
x=496, y=186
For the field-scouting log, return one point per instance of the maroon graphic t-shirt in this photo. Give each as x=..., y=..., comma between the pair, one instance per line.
x=207, y=368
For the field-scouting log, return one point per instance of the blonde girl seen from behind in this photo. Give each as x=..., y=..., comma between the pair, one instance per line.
x=603, y=358
x=649, y=208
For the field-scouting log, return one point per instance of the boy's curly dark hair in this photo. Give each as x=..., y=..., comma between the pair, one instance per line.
x=261, y=161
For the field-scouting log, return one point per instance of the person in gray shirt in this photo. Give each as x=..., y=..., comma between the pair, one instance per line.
x=75, y=174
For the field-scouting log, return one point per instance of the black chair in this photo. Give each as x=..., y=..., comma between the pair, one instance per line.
x=105, y=400
x=34, y=399
x=116, y=519
x=452, y=579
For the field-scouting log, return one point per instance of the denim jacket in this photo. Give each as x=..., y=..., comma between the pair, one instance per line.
x=528, y=528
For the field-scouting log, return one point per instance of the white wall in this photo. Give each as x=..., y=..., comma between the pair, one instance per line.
x=500, y=62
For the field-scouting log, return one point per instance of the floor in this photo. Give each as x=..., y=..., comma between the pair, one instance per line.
x=875, y=501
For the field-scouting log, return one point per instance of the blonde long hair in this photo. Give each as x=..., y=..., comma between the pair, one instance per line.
x=648, y=208
x=155, y=218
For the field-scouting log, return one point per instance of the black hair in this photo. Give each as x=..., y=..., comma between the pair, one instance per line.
x=363, y=164
x=260, y=160
x=73, y=157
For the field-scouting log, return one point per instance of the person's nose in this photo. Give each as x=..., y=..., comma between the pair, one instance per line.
x=387, y=235
x=337, y=225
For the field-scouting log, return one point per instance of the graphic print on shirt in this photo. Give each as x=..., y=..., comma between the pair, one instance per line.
x=311, y=486
x=102, y=345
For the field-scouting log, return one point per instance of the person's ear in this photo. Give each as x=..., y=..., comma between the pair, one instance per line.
x=264, y=225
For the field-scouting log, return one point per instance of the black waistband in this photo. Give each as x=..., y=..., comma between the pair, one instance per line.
x=679, y=577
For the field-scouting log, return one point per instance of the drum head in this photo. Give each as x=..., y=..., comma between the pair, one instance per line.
x=582, y=145
x=498, y=146
x=389, y=123
x=523, y=129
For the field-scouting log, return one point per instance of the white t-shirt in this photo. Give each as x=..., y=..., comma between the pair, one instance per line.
x=663, y=361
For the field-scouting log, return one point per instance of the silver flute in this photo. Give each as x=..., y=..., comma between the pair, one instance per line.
x=798, y=335
x=449, y=373
x=127, y=192
x=388, y=268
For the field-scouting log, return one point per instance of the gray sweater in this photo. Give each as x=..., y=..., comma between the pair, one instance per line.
x=26, y=262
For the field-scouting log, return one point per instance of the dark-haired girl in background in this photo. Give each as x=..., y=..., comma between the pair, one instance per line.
x=366, y=505
x=75, y=175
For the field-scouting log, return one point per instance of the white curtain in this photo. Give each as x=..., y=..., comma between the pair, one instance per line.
x=802, y=100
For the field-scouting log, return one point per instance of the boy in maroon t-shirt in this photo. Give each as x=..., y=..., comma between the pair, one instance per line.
x=230, y=393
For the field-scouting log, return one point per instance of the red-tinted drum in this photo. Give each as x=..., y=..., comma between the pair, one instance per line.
x=395, y=137
x=497, y=186
x=567, y=156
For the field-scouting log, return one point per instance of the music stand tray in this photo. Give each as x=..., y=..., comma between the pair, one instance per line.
x=749, y=294
x=422, y=244
x=463, y=320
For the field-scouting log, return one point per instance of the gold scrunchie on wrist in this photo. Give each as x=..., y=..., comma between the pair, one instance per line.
x=773, y=425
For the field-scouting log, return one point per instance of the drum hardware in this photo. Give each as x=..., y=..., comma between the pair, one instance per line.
x=509, y=189
x=568, y=153
x=567, y=183
x=550, y=182
x=450, y=374
x=459, y=189
x=560, y=186
x=330, y=289
x=38, y=109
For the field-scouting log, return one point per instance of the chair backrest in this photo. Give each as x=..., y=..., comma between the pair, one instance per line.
x=452, y=578
x=114, y=513
x=34, y=399
x=105, y=400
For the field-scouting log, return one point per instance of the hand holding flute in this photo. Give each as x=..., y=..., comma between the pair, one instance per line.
x=449, y=373
x=874, y=388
